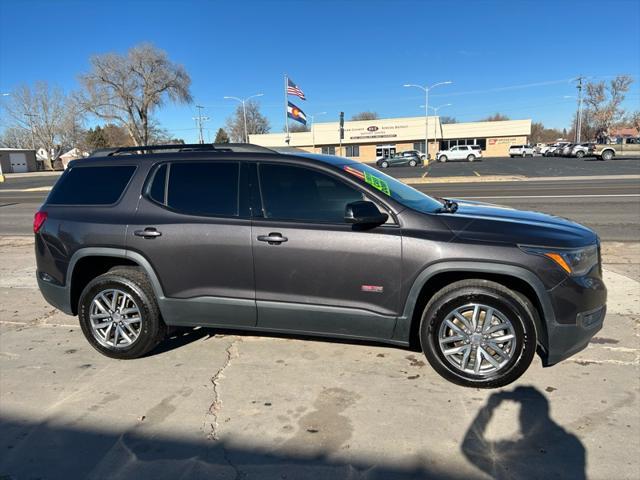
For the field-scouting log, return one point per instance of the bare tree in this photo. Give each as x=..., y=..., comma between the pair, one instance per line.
x=365, y=116
x=256, y=122
x=127, y=89
x=298, y=127
x=634, y=120
x=541, y=134
x=496, y=117
x=447, y=119
x=15, y=137
x=603, y=102
x=48, y=117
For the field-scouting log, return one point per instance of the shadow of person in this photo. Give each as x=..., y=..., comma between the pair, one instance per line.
x=542, y=450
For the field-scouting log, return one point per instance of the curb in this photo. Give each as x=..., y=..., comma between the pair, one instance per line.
x=512, y=178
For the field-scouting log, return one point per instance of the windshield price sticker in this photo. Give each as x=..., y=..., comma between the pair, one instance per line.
x=372, y=180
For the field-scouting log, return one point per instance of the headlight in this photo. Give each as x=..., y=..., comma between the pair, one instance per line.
x=575, y=262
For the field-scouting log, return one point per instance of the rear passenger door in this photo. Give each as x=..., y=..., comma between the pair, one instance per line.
x=322, y=275
x=195, y=231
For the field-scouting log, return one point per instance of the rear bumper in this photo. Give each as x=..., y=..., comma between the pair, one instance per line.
x=56, y=295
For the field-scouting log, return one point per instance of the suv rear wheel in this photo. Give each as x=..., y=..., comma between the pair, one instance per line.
x=478, y=333
x=471, y=158
x=119, y=315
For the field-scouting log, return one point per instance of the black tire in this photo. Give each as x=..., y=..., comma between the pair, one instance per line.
x=412, y=163
x=471, y=158
x=516, y=307
x=442, y=158
x=579, y=154
x=511, y=156
x=134, y=282
x=384, y=164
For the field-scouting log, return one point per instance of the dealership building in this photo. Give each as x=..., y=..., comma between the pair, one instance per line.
x=367, y=140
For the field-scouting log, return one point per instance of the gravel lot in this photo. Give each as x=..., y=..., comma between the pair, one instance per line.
x=212, y=404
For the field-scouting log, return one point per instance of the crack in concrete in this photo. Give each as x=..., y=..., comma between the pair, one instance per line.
x=214, y=410
x=231, y=352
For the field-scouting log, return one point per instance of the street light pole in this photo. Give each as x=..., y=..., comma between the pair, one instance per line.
x=435, y=113
x=243, y=101
x=313, y=128
x=426, y=90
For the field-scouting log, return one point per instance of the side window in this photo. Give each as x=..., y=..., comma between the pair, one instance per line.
x=156, y=189
x=204, y=188
x=296, y=193
x=91, y=185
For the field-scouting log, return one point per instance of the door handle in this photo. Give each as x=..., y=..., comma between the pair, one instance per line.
x=148, y=232
x=274, y=238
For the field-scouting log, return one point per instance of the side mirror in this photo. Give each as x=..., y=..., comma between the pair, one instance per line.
x=364, y=213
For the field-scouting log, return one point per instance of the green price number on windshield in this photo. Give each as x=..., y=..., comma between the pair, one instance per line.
x=378, y=183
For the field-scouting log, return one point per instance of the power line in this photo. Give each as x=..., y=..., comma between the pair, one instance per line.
x=199, y=121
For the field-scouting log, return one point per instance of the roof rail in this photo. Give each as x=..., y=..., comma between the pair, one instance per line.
x=195, y=147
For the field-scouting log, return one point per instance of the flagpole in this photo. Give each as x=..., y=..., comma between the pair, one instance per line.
x=286, y=109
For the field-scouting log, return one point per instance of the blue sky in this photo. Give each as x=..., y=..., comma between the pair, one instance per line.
x=515, y=57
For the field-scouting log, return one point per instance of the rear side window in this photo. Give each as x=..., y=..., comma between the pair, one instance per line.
x=204, y=188
x=91, y=185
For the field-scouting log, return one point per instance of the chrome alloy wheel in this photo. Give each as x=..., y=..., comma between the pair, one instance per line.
x=115, y=319
x=477, y=339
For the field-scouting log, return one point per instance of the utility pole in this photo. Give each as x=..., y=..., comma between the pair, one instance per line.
x=33, y=138
x=579, y=119
x=199, y=121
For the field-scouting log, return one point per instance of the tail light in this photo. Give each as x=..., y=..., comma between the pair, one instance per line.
x=38, y=220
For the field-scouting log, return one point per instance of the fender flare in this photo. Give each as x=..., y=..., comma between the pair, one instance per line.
x=117, y=253
x=402, y=331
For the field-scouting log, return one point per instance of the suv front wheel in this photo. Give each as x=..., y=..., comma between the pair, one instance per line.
x=478, y=333
x=119, y=315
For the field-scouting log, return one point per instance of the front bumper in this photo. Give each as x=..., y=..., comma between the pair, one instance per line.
x=579, y=305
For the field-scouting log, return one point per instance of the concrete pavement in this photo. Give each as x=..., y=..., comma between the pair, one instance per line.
x=213, y=404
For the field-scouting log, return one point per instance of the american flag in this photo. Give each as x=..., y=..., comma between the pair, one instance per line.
x=293, y=89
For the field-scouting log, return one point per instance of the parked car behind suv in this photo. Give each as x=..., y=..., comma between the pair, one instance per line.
x=582, y=150
x=469, y=153
x=242, y=237
x=521, y=151
x=400, y=159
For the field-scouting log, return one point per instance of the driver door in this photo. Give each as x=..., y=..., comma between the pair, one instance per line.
x=321, y=274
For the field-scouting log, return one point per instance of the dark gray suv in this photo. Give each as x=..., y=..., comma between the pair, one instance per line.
x=243, y=237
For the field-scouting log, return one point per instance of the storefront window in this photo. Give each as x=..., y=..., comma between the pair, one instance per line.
x=328, y=150
x=449, y=144
x=352, y=150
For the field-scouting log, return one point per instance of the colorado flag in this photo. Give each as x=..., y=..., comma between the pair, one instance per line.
x=296, y=114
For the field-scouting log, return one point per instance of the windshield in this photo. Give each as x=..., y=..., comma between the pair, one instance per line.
x=401, y=192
